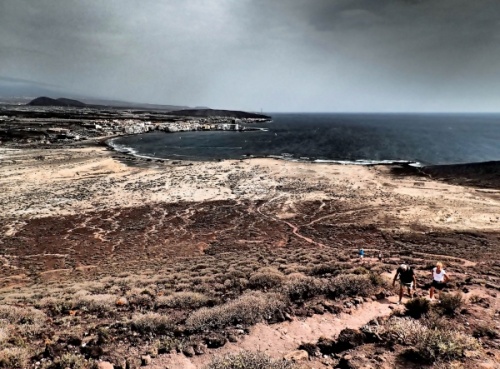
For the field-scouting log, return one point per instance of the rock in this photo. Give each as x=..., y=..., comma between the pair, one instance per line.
x=92, y=351
x=318, y=309
x=215, y=341
x=199, y=349
x=296, y=356
x=53, y=350
x=131, y=364
x=74, y=341
x=105, y=365
x=122, y=301
x=380, y=296
x=349, y=339
x=487, y=366
x=358, y=300
x=345, y=363
x=232, y=338
x=146, y=360
x=326, y=346
x=188, y=351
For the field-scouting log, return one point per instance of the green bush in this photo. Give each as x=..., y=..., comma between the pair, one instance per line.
x=451, y=304
x=248, y=360
x=349, y=285
x=266, y=279
x=417, y=307
x=326, y=268
x=300, y=287
x=250, y=308
x=485, y=331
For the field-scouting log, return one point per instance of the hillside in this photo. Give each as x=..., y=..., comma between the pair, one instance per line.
x=47, y=101
x=218, y=113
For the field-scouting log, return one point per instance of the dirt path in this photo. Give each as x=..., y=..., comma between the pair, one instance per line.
x=277, y=340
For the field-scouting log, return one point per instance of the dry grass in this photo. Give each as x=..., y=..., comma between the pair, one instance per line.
x=13, y=358
x=248, y=360
x=183, y=300
x=96, y=304
x=250, y=308
x=348, y=285
x=152, y=323
x=266, y=278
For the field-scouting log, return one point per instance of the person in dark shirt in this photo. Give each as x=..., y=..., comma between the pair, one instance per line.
x=406, y=279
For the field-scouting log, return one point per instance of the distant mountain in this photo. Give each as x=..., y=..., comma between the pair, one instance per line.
x=98, y=104
x=47, y=101
x=131, y=105
x=203, y=113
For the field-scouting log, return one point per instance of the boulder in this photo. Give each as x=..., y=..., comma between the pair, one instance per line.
x=146, y=360
x=105, y=365
x=296, y=356
x=215, y=341
x=349, y=339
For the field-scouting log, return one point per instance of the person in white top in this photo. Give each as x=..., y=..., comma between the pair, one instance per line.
x=439, y=279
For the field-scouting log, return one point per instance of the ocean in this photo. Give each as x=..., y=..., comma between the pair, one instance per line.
x=422, y=139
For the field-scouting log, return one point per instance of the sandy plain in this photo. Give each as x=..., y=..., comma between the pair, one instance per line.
x=87, y=213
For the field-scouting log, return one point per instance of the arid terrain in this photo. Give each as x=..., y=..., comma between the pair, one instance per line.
x=108, y=258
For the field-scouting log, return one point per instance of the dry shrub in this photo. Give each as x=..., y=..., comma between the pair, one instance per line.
x=13, y=358
x=152, y=323
x=4, y=334
x=183, y=300
x=248, y=360
x=417, y=307
x=139, y=299
x=405, y=331
x=72, y=361
x=451, y=304
x=483, y=330
x=54, y=305
x=326, y=268
x=348, y=285
x=443, y=344
x=266, y=278
x=250, y=308
x=30, y=321
x=301, y=287
x=96, y=304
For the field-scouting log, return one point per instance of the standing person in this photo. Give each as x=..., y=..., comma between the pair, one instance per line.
x=380, y=256
x=361, y=253
x=439, y=279
x=406, y=279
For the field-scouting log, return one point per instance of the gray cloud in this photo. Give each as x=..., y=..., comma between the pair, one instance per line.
x=295, y=55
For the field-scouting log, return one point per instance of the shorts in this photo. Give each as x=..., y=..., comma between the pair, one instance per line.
x=407, y=285
x=361, y=256
x=437, y=285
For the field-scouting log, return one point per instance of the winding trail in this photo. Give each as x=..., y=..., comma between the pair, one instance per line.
x=295, y=229
x=277, y=340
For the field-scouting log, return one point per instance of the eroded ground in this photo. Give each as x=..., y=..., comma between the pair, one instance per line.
x=100, y=224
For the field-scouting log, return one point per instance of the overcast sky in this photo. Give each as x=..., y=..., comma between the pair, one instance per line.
x=278, y=55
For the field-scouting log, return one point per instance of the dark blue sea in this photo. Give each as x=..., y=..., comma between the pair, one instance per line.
x=424, y=139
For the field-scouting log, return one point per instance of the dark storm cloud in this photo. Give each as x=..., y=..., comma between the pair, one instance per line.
x=328, y=55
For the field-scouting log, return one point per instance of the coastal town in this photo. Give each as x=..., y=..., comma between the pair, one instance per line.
x=56, y=125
